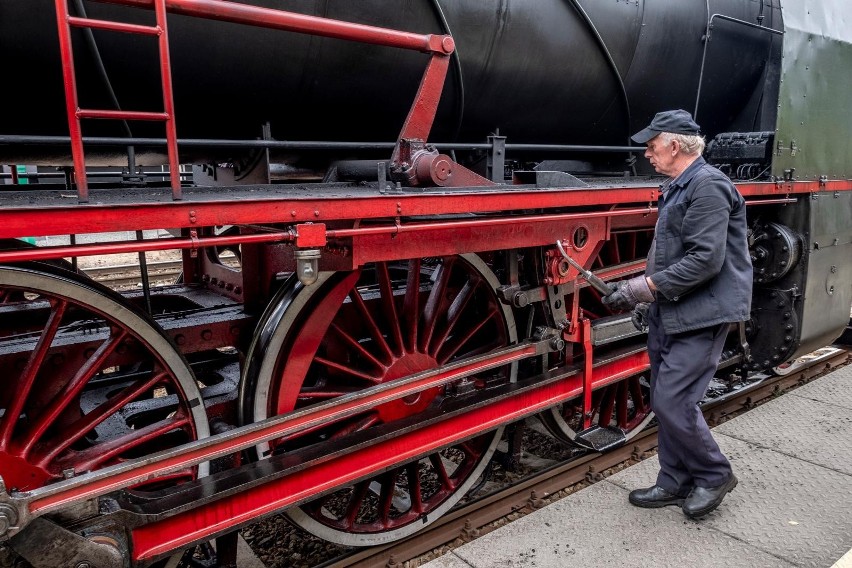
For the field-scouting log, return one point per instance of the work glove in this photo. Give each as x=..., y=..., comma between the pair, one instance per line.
x=640, y=316
x=627, y=293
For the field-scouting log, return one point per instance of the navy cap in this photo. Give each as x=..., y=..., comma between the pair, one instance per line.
x=674, y=121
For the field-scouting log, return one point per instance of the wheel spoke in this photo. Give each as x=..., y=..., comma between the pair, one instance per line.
x=25, y=384
x=441, y=471
x=348, y=370
x=389, y=306
x=639, y=403
x=431, y=310
x=75, y=431
x=356, y=500
x=96, y=456
x=361, y=424
x=357, y=347
x=371, y=325
x=453, y=316
x=89, y=368
x=452, y=347
x=388, y=483
x=470, y=451
x=412, y=472
x=410, y=305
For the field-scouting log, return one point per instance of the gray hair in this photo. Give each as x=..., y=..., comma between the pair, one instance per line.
x=691, y=144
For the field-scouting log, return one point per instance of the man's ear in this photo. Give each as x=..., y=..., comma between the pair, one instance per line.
x=675, y=147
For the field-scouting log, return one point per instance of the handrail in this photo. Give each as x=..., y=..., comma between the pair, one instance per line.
x=299, y=23
x=723, y=17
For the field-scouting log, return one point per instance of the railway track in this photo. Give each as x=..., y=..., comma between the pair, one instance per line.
x=483, y=514
x=121, y=276
x=124, y=276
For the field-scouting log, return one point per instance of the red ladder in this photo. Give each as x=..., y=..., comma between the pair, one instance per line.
x=75, y=113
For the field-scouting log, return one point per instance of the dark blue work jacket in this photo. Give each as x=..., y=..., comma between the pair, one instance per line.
x=700, y=262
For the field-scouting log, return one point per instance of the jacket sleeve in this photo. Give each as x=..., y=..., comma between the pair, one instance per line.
x=704, y=234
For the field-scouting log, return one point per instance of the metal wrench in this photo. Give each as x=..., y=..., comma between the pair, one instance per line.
x=593, y=280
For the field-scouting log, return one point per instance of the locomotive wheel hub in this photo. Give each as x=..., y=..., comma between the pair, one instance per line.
x=407, y=365
x=21, y=475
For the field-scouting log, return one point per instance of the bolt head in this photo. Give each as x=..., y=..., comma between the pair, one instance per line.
x=442, y=169
x=8, y=518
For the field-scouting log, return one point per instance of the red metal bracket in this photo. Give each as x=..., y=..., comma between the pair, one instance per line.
x=193, y=237
x=413, y=163
x=310, y=235
x=584, y=239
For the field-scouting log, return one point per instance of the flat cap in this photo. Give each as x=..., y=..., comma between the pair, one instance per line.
x=674, y=121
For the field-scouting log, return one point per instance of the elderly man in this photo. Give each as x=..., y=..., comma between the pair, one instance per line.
x=698, y=280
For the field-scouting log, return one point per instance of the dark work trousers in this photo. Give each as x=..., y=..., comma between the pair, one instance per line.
x=681, y=368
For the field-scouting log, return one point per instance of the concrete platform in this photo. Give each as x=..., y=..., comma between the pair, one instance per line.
x=792, y=507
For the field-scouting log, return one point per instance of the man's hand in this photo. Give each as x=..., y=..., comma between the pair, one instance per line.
x=640, y=316
x=627, y=293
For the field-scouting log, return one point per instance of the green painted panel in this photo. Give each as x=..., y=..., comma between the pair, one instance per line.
x=815, y=101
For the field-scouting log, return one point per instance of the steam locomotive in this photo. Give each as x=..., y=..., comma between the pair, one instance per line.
x=391, y=182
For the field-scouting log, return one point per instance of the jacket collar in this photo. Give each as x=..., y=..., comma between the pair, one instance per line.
x=686, y=175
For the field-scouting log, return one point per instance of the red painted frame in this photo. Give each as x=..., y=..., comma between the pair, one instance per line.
x=48, y=219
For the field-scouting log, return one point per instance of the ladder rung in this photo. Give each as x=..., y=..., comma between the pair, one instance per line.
x=114, y=26
x=122, y=114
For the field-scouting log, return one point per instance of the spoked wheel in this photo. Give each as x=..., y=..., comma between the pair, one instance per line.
x=625, y=405
x=88, y=381
x=350, y=331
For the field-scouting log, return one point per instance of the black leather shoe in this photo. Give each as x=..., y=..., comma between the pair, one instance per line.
x=702, y=500
x=654, y=497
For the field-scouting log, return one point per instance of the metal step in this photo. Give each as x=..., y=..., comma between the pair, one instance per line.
x=600, y=438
